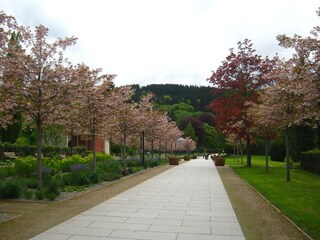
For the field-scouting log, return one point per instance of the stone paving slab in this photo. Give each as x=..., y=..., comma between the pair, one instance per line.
x=185, y=202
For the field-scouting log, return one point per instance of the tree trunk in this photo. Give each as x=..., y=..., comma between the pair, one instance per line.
x=152, y=146
x=287, y=155
x=267, y=154
x=159, y=153
x=125, y=146
x=248, y=150
x=94, y=152
x=39, y=155
x=241, y=152
x=71, y=142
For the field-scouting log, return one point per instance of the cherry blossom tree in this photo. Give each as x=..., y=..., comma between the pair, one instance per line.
x=189, y=145
x=294, y=99
x=306, y=66
x=286, y=102
x=38, y=86
x=94, y=100
x=238, y=81
x=127, y=118
x=9, y=37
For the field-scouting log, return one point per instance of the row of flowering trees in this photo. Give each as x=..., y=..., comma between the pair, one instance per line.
x=37, y=81
x=262, y=95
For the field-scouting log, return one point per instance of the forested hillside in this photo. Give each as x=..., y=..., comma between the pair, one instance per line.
x=168, y=94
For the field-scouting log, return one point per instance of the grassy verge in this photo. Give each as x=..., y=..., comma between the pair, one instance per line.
x=298, y=199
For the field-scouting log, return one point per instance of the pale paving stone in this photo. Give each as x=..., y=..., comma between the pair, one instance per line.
x=207, y=237
x=155, y=221
x=231, y=225
x=77, y=223
x=143, y=235
x=123, y=226
x=223, y=219
x=184, y=217
x=225, y=213
x=61, y=229
x=137, y=215
x=94, y=213
x=94, y=238
x=226, y=231
x=100, y=218
x=179, y=229
x=164, y=211
x=185, y=202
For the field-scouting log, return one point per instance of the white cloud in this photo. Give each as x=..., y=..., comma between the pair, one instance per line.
x=164, y=41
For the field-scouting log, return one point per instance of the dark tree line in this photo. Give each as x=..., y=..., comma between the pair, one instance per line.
x=197, y=96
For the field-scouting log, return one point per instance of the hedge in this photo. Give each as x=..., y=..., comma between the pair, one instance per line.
x=48, y=151
x=310, y=160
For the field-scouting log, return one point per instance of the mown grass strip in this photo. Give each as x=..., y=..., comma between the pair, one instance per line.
x=298, y=199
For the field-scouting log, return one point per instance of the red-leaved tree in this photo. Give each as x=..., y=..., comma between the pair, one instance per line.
x=237, y=83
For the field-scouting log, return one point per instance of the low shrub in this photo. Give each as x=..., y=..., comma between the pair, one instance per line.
x=28, y=193
x=53, y=186
x=136, y=169
x=315, y=151
x=73, y=189
x=79, y=166
x=7, y=171
x=114, y=166
x=80, y=178
x=10, y=189
x=51, y=195
x=74, y=159
x=112, y=176
x=25, y=166
x=30, y=182
x=103, y=157
x=39, y=195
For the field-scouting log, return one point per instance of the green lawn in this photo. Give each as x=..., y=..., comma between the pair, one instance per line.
x=299, y=199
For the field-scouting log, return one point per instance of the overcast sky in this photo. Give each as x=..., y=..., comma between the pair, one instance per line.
x=165, y=41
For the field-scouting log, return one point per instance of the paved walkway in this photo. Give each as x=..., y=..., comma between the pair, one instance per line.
x=186, y=202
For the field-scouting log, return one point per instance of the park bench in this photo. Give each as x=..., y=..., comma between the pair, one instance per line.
x=10, y=155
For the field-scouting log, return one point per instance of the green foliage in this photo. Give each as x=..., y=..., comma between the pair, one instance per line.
x=51, y=196
x=167, y=99
x=179, y=115
x=30, y=182
x=53, y=185
x=52, y=134
x=39, y=195
x=111, y=176
x=277, y=151
x=197, y=114
x=11, y=188
x=214, y=139
x=25, y=166
x=198, y=97
x=74, y=159
x=73, y=188
x=103, y=157
x=301, y=139
x=80, y=178
x=28, y=193
x=182, y=106
x=12, y=131
x=114, y=167
x=7, y=171
x=315, y=151
x=189, y=132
